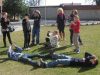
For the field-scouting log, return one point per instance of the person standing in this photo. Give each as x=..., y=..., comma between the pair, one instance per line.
x=76, y=33
x=36, y=28
x=27, y=31
x=74, y=12
x=61, y=23
x=4, y=28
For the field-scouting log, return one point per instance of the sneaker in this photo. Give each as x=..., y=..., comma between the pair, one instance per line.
x=78, y=51
x=42, y=63
x=27, y=48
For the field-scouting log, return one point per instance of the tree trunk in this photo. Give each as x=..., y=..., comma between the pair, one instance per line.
x=14, y=16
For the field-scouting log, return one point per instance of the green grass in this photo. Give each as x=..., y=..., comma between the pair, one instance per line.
x=91, y=40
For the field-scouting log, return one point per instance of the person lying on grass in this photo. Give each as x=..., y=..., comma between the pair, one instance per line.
x=17, y=55
x=89, y=60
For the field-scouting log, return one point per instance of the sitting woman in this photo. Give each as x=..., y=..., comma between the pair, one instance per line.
x=52, y=40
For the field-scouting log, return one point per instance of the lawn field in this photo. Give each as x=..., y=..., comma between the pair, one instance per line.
x=91, y=43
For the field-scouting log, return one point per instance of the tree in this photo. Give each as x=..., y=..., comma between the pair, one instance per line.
x=34, y=2
x=96, y=1
x=15, y=7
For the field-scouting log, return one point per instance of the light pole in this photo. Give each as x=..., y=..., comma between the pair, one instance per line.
x=45, y=12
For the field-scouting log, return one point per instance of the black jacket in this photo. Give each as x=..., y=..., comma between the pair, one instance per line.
x=4, y=24
x=36, y=21
x=26, y=26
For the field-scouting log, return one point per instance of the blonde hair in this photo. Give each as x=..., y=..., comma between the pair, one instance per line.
x=75, y=12
x=60, y=10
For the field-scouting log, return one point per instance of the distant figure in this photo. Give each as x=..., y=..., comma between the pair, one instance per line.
x=4, y=28
x=36, y=28
x=71, y=18
x=61, y=23
x=27, y=31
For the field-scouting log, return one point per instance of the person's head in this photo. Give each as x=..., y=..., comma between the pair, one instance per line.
x=36, y=13
x=26, y=16
x=93, y=60
x=5, y=14
x=75, y=12
x=76, y=18
x=60, y=11
x=55, y=33
x=48, y=33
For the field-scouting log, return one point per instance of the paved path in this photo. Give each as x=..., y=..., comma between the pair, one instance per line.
x=18, y=25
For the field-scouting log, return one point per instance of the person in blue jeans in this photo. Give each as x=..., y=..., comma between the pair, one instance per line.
x=36, y=28
x=21, y=57
x=89, y=60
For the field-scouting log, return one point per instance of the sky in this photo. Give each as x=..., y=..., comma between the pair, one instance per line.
x=58, y=2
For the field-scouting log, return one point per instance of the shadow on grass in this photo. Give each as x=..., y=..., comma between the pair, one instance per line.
x=2, y=60
x=43, y=50
x=83, y=69
x=3, y=52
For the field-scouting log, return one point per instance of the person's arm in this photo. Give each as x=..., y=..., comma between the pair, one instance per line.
x=2, y=21
x=23, y=24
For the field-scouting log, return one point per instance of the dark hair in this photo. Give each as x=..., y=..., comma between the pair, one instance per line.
x=96, y=63
x=26, y=14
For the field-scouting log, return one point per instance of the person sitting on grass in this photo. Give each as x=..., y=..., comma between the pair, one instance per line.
x=89, y=60
x=52, y=39
x=21, y=57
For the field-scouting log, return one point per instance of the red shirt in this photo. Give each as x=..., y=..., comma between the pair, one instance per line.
x=76, y=27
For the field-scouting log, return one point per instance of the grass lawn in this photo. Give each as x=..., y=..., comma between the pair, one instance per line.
x=91, y=40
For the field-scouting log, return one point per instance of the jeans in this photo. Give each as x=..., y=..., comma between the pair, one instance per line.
x=59, y=62
x=35, y=33
x=6, y=33
x=59, y=59
x=27, y=58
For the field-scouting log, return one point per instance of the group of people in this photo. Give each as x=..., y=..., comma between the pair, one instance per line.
x=74, y=29
x=59, y=60
x=52, y=40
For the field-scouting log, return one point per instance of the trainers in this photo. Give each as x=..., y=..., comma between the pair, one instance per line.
x=78, y=51
x=42, y=63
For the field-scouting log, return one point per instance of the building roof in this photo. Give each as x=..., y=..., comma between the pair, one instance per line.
x=71, y=7
x=81, y=7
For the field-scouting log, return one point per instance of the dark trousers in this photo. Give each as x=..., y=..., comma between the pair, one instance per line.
x=71, y=37
x=6, y=33
x=27, y=59
x=26, y=39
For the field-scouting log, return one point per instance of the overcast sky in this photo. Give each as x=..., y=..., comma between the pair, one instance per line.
x=58, y=2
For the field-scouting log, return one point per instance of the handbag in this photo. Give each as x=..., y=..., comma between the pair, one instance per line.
x=11, y=28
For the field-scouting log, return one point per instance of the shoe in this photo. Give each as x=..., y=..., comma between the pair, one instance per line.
x=72, y=44
x=78, y=51
x=42, y=63
x=28, y=48
x=32, y=44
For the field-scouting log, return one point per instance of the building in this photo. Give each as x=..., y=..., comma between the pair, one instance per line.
x=0, y=7
x=86, y=12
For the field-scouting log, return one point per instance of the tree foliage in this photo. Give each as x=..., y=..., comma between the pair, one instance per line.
x=15, y=7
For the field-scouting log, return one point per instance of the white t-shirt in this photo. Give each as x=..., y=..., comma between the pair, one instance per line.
x=54, y=40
